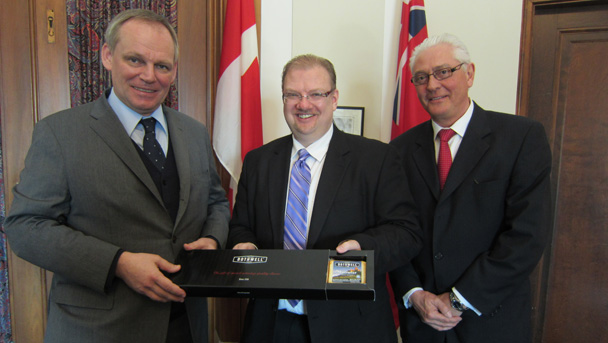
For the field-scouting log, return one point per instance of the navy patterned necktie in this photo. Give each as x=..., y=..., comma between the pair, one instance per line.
x=152, y=148
x=296, y=213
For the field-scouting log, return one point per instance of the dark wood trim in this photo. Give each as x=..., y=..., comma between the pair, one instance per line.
x=526, y=107
x=34, y=84
x=529, y=8
x=215, y=28
x=192, y=72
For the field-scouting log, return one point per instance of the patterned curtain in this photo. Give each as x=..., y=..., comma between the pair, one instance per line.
x=87, y=22
x=5, y=309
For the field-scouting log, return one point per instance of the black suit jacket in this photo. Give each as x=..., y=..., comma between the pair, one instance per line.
x=362, y=195
x=485, y=232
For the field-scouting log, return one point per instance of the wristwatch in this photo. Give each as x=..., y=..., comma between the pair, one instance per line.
x=456, y=304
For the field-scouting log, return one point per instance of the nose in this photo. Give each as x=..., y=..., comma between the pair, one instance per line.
x=433, y=83
x=304, y=103
x=147, y=73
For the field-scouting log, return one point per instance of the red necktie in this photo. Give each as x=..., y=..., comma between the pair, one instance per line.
x=444, y=162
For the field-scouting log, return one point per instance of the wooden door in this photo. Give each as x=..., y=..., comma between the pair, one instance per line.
x=34, y=83
x=565, y=85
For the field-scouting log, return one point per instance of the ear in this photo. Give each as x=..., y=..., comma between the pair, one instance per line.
x=106, y=56
x=334, y=99
x=470, y=74
x=174, y=72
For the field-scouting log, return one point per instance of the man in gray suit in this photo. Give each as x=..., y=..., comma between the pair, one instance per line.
x=107, y=219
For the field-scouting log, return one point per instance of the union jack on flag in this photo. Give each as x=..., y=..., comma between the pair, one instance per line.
x=407, y=111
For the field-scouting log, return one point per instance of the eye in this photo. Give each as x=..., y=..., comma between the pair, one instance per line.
x=420, y=78
x=292, y=96
x=163, y=67
x=133, y=60
x=316, y=96
x=443, y=72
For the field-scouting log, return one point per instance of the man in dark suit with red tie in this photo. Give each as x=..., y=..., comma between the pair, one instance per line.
x=321, y=188
x=480, y=180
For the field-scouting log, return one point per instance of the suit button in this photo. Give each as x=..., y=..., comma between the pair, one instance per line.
x=438, y=256
x=173, y=239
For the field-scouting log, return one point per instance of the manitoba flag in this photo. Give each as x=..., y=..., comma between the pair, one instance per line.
x=238, y=112
x=407, y=111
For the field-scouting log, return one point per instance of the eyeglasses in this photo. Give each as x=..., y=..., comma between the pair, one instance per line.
x=293, y=98
x=420, y=79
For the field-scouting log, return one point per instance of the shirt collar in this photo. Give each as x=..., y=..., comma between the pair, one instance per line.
x=318, y=149
x=130, y=118
x=460, y=126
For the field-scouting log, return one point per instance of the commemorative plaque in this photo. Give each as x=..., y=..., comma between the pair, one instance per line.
x=281, y=274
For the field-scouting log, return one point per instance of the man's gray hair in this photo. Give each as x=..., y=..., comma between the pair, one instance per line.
x=460, y=52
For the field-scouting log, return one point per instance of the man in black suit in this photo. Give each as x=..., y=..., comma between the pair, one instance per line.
x=358, y=199
x=485, y=224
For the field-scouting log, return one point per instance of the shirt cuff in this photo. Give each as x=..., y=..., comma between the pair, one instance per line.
x=465, y=302
x=406, y=298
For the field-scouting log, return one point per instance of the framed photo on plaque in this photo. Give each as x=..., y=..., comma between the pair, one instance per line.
x=349, y=119
x=346, y=271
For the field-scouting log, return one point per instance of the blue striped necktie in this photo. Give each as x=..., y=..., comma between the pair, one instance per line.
x=296, y=214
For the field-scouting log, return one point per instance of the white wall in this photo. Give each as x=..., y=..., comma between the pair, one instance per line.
x=360, y=38
x=491, y=29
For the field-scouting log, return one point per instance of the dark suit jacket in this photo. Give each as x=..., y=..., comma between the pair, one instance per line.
x=361, y=195
x=84, y=194
x=485, y=232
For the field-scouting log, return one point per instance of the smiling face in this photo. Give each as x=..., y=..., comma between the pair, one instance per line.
x=142, y=65
x=446, y=100
x=309, y=120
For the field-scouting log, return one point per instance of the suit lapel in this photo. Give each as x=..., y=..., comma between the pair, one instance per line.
x=336, y=162
x=278, y=177
x=471, y=150
x=424, y=158
x=108, y=127
x=181, y=151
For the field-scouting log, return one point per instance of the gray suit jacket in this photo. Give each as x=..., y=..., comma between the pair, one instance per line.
x=84, y=194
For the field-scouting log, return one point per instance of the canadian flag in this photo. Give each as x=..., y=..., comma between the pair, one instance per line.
x=238, y=111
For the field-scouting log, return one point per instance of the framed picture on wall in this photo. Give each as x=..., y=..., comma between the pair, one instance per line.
x=349, y=119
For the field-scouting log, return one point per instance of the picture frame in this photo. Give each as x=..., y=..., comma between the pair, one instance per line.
x=349, y=119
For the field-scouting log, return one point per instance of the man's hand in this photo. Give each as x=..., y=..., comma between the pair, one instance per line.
x=204, y=243
x=245, y=246
x=142, y=272
x=434, y=310
x=348, y=246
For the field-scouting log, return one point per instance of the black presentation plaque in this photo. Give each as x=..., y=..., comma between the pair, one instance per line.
x=281, y=274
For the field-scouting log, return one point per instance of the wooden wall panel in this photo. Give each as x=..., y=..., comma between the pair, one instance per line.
x=192, y=65
x=27, y=61
x=562, y=82
x=51, y=59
